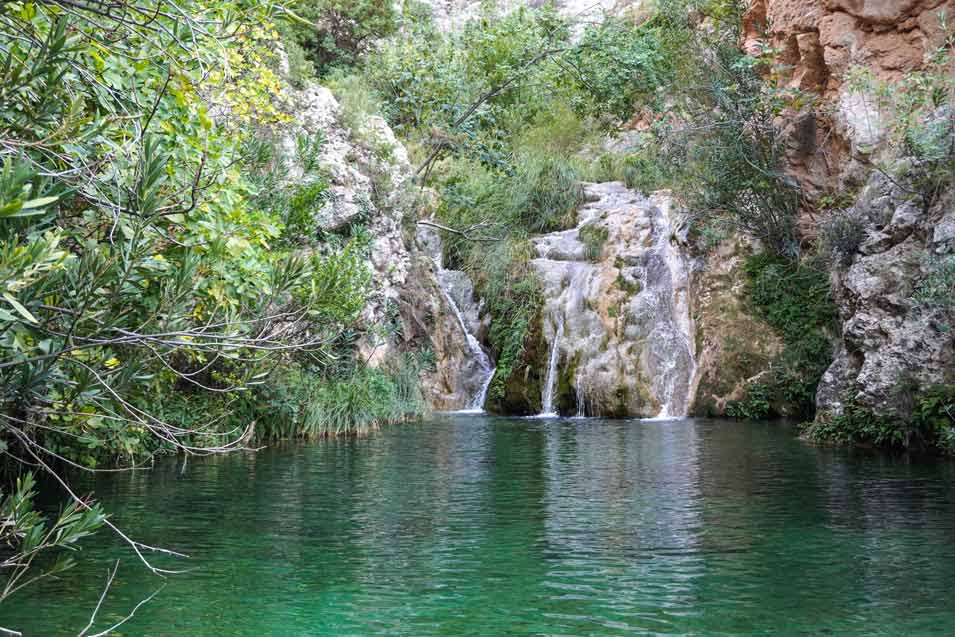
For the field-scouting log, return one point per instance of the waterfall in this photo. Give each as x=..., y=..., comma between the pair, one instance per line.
x=547, y=397
x=677, y=326
x=487, y=369
x=626, y=319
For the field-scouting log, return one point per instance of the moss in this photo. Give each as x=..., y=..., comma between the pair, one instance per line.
x=794, y=298
x=565, y=394
x=594, y=237
x=517, y=386
x=632, y=288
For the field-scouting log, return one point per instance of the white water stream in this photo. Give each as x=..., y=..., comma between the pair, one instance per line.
x=476, y=403
x=550, y=384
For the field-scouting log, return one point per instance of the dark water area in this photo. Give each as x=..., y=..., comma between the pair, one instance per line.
x=469, y=525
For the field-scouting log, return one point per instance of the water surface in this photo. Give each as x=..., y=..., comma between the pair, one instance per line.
x=469, y=525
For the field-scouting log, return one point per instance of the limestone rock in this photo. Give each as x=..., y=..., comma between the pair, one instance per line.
x=368, y=174
x=888, y=341
x=616, y=288
x=734, y=348
x=818, y=43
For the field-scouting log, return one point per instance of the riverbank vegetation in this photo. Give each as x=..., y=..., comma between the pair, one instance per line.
x=165, y=289
x=160, y=272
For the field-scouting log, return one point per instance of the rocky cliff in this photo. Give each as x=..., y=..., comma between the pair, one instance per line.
x=817, y=46
x=890, y=347
x=410, y=309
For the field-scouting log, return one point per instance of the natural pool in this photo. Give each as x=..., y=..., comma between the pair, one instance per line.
x=470, y=525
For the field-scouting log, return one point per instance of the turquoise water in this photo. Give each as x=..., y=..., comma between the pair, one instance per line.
x=493, y=526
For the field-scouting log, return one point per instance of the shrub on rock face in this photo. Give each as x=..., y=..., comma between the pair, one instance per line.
x=840, y=237
x=795, y=300
x=340, y=31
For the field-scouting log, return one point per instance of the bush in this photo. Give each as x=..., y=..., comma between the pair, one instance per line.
x=856, y=425
x=341, y=31
x=795, y=300
x=363, y=401
x=594, y=237
x=840, y=237
x=618, y=65
x=930, y=425
x=936, y=292
x=545, y=193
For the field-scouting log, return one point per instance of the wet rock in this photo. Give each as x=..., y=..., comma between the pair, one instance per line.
x=624, y=311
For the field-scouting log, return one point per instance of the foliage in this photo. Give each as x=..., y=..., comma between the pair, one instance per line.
x=795, y=300
x=336, y=33
x=936, y=292
x=30, y=541
x=364, y=400
x=856, y=424
x=594, y=237
x=136, y=256
x=618, y=65
x=934, y=414
x=931, y=423
x=840, y=237
x=757, y=404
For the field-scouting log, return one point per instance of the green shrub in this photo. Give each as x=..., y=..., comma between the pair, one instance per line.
x=930, y=425
x=594, y=237
x=340, y=31
x=856, y=425
x=756, y=405
x=358, y=100
x=26, y=535
x=936, y=292
x=795, y=300
x=364, y=401
x=840, y=237
x=545, y=192
x=303, y=205
x=618, y=65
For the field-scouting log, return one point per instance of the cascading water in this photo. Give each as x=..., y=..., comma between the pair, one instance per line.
x=624, y=305
x=669, y=279
x=486, y=369
x=550, y=384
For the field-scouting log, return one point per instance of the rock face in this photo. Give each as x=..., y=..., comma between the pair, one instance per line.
x=616, y=318
x=819, y=42
x=891, y=346
x=734, y=348
x=369, y=177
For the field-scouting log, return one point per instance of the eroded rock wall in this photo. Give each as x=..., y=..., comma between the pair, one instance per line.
x=369, y=179
x=891, y=345
x=816, y=44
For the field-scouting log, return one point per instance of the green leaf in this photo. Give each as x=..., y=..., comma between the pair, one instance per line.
x=39, y=202
x=22, y=311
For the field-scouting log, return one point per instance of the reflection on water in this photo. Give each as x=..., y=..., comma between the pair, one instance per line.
x=488, y=526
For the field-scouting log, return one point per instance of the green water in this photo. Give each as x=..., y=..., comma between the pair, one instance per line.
x=488, y=526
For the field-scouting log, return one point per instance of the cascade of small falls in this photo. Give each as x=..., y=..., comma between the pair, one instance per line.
x=674, y=327
x=486, y=368
x=624, y=306
x=550, y=384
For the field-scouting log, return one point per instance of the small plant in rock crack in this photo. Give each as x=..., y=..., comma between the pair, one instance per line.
x=840, y=237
